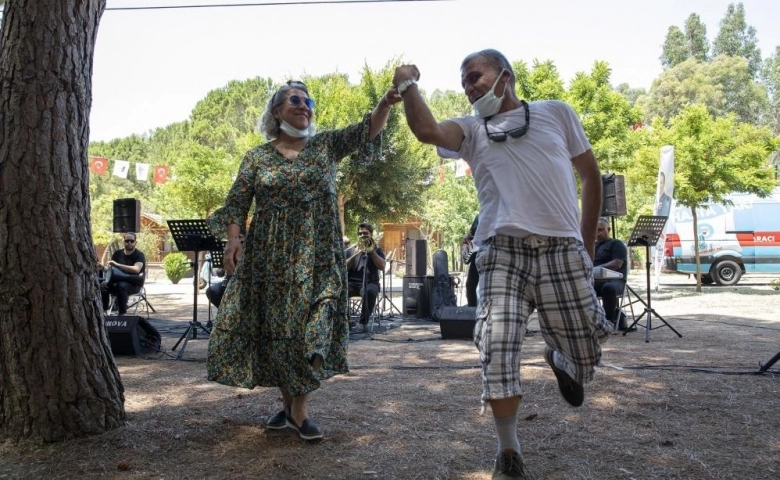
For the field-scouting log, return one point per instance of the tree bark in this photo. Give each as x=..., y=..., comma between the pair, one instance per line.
x=58, y=379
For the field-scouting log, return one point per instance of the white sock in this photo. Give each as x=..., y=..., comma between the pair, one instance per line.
x=506, y=430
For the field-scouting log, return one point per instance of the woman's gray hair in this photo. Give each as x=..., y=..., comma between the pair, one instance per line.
x=268, y=125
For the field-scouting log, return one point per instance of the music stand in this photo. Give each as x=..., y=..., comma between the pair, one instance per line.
x=216, y=260
x=385, y=299
x=192, y=236
x=646, y=232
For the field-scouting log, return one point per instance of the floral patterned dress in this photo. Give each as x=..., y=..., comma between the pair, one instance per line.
x=287, y=300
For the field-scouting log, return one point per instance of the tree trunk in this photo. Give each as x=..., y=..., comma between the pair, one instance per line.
x=58, y=379
x=696, y=248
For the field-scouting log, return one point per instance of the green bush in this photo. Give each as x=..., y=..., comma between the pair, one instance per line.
x=176, y=266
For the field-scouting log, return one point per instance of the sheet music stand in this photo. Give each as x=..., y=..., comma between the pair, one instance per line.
x=387, y=312
x=646, y=232
x=192, y=236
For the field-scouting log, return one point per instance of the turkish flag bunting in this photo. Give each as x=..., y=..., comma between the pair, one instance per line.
x=98, y=165
x=160, y=173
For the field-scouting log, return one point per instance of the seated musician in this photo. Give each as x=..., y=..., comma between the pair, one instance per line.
x=611, y=254
x=215, y=291
x=123, y=275
x=364, y=260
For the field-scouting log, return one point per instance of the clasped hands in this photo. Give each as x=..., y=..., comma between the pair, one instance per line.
x=402, y=73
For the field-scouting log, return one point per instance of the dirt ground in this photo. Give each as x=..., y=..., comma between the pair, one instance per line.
x=672, y=408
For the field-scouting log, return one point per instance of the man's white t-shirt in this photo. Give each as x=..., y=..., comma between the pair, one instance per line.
x=525, y=185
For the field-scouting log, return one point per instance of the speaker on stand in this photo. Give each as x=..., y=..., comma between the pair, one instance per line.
x=127, y=215
x=613, y=191
x=416, y=257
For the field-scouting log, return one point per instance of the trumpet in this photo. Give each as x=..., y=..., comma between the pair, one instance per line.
x=366, y=245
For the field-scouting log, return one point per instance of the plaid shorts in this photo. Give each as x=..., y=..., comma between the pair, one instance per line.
x=553, y=275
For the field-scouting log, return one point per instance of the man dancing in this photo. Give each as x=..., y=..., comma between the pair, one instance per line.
x=536, y=250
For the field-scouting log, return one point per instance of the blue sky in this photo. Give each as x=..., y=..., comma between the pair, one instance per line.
x=152, y=67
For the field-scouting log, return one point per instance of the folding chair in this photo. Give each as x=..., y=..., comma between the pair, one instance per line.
x=134, y=301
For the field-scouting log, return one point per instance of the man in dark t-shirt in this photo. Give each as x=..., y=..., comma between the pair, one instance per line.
x=370, y=264
x=124, y=274
x=613, y=255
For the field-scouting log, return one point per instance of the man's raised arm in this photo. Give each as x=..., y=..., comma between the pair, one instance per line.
x=446, y=134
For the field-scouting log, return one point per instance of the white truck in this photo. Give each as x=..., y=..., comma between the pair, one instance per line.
x=743, y=237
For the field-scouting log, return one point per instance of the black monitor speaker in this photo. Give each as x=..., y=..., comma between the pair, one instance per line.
x=127, y=215
x=123, y=334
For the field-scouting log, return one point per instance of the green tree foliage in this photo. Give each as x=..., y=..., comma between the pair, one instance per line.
x=696, y=38
x=542, y=82
x=451, y=206
x=675, y=49
x=449, y=104
x=201, y=179
x=737, y=38
x=770, y=77
x=224, y=117
x=679, y=46
x=606, y=115
x=713, y=158
x=630, y=94
x=724, y=85
x=392, y=189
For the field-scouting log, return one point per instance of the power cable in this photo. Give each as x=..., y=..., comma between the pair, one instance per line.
x=265, y=4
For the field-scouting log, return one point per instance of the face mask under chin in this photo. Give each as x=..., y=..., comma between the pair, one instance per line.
x=292, y=131
x=488, y=104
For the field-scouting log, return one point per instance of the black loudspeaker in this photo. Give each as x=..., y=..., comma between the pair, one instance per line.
x=415, y=296
x=457, y=322
x=613, y=191
x=416, y=257
x=123, y=334
x=127, y=215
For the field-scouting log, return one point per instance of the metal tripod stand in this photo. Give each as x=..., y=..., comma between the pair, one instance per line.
x=387, y=311
x=646, y=232
x=192, y=236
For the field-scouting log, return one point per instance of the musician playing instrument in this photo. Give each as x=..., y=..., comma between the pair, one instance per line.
x=364, y=260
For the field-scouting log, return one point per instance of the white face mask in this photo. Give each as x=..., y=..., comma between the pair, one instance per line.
x=292, y=131
x=489, y=104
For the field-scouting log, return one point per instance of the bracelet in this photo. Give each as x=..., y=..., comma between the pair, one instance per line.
x=405, y=84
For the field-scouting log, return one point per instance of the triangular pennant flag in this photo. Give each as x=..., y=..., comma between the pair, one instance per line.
x=98, y=165
x=160, y=173
x=142, y=172
x=121, y=167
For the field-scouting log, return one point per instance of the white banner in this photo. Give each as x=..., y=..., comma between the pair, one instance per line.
x=142, y=172
x=121, y=167
x=664, y=204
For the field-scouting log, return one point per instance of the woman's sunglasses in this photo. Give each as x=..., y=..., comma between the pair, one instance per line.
x=296, y=101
